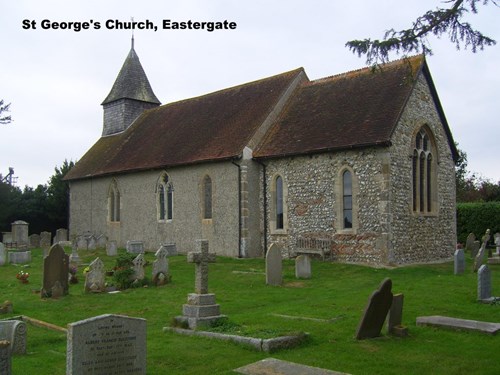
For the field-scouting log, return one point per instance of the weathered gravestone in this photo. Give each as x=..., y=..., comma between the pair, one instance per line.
x=274, y=265
x=20, y=233
x=303, y=267
x=19, y=257
x=55, y=271
x=138, y=267
x=14, y=331
x=475, y=249
x=161, y=274
x=102, y=240
x=111, y=249
x=91, y=242
x=459, y=262
x=5, y=358
x=81, y=243
x=376, y=311
x=61, y=235
x=484, y=284
x=34, y=241
x=135, y=247
x=74, y=258
x=95, y=279
x=170, y=248
x=395, y=316
x=479, y=259
x=3, y=254
x=497, y=243
x=201, y=308
x=107, y=345
x=469, y=243
x=45, y=240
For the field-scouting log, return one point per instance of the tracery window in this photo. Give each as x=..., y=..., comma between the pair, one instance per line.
x=423, y=173
x=165, y=194
x=113, y=202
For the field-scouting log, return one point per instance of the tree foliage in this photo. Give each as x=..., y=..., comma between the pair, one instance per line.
x=4, y=108
x=437, y=22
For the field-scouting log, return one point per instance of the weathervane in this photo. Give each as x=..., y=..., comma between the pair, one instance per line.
x=132, y=18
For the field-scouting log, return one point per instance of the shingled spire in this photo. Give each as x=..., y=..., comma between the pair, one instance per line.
x=130, y=95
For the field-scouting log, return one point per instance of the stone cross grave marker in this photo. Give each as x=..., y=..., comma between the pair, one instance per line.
x=160, y=274
x=483, y=283
x=459, y=262
x=55, y=269
x=303, y=267
x=135, y=247
x=111, y=249
x=138, y=266
x=5, y=358
x=479, y=259
x=107, y=344
x=3, y=254
x=469, y=243
x=95, y=279
x=497, y=242
x=274, y=265
x=376, y=311
x=201, y=259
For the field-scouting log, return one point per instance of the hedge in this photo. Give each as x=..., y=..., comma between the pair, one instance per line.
x=476, y=218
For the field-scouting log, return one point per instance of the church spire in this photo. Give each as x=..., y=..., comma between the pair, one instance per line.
x=130, y=95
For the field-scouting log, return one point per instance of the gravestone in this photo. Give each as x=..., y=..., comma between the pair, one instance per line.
x=14, y=331
x=3, y=254
x=81, y=243
x=497, y=243
x=201, y=308
x=61, y=235
x=469, y=243
x=107, y=344
x=303, y=267
x=19, y=257
x=74, y=258
x=170, y=248
x=5, y=358
x=34, y=241
x=459, y=262
x=7, y=237
x=55, y=269
x=45, y=241
x=479, y=259
x=91, y=242
x=395, y=316
x=475, y=249
x=95, y=279
x=484, y=283
x=161, y=274
x=274, y=265
x=138, y=267
x=376, y=311
x=135, y=247
x=111, y=249
x=102, y=240
x=20, y=233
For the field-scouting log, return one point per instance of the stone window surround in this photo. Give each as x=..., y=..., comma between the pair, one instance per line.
x=339, y=202
x=165, y=182
x=114, y=202
x=272, y=213
x=434, y=166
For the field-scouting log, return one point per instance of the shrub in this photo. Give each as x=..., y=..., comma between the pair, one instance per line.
x=123, y=275
x=476, y=218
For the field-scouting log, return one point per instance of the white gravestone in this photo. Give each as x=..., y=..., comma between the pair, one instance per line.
x=160, y=274
x=459, y=264
x=107, y=344
x=139, y=267
x=303, y=267
x=111, y=249
x=483, y=283
x=95, y=279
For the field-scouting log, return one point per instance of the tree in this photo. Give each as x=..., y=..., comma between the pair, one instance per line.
x=437, y=22
x=58, y=196
x=4, y=108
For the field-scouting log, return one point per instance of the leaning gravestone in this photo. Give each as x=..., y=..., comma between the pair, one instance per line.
x=303, y=267
x=479, y=259
x=135, y=247
x=274, y=265
x=107, y=344
x=160, y=274
x=111, y=249
x=95, y=279
x=459, y=264
x=5, y=358
x=484, y=283
x=55, y=270
x=3, y=254
x=376, y=311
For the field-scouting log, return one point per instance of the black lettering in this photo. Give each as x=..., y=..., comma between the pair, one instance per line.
x=27, y=24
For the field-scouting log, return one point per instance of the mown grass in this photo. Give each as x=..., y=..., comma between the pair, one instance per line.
x=336, y=296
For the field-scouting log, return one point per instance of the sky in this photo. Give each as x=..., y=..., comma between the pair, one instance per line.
x=56, y=79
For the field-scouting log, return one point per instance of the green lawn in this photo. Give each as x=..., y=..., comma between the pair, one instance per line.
x=336, y=293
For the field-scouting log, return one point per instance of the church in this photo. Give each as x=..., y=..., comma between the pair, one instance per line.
x=362, y=161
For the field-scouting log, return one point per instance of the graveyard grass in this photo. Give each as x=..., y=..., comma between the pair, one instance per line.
x=335, y=296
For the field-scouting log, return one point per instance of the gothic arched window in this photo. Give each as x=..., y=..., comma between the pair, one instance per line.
x=347, y=199
x=423, y=173
x=113, y=202
x=207, y=197
x=165, y=198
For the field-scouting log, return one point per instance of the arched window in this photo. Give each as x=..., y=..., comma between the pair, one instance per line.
x=279, y=203
x=113, y=202
x=423, y=173
x=165, y=198
x=207, y=197
x=347, y=199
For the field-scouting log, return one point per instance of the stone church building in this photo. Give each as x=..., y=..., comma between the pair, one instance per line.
x=363, y=161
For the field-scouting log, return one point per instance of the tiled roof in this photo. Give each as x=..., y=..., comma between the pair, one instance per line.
x=132, y=82
x=212, y=127
x=354, y=109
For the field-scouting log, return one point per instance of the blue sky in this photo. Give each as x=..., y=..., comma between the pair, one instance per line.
x=56, y=79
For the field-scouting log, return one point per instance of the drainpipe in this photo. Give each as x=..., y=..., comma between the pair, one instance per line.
x=239, y=208
x=264, y=188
